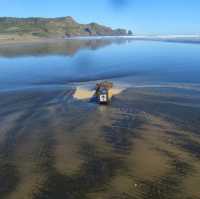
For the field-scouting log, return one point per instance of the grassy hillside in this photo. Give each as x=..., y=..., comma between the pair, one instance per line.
x=51, y=27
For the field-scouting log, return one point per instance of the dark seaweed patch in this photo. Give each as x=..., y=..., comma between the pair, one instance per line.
x=167, y=186
x=170, y=185
x=186, y=116
x=186, y=143
x=94, y=174
x=123, y=196
x=161, y=189
x=192, y=147
x=122, y=131
x=176, y=134
x=181, y=168
x=8, y=178
x=8, y=172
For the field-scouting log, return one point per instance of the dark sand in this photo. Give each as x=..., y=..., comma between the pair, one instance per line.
x=145, y=145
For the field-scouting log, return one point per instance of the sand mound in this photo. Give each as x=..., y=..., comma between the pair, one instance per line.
x=82, y=93
x=116, y=91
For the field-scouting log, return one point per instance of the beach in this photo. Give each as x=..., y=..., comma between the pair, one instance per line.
x=56, y=141
x=9, y=40
x=99, y=99
x=144, y=145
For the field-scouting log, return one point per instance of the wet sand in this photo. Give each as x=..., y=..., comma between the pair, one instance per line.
x=25, y=39
x=146, y=144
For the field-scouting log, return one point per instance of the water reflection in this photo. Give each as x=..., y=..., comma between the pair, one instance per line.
x=81, y=60
x=57, y=47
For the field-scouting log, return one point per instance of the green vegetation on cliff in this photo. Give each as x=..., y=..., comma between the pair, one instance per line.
x=54, y=27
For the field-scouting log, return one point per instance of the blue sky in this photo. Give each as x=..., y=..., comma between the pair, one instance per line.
x=142, y=16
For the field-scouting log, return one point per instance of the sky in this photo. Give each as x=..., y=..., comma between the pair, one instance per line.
x=141, y=16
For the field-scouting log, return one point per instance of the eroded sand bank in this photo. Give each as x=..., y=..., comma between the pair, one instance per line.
x=83, y=92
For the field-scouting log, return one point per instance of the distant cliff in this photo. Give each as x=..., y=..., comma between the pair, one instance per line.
x=55, y=27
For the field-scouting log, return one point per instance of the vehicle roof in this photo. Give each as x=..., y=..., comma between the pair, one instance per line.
x=103, y=91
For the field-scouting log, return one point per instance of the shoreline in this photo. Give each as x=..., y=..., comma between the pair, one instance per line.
x=89, y=86
x=27, y=39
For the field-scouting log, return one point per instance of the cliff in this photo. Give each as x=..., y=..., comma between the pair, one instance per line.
x=54, y=27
